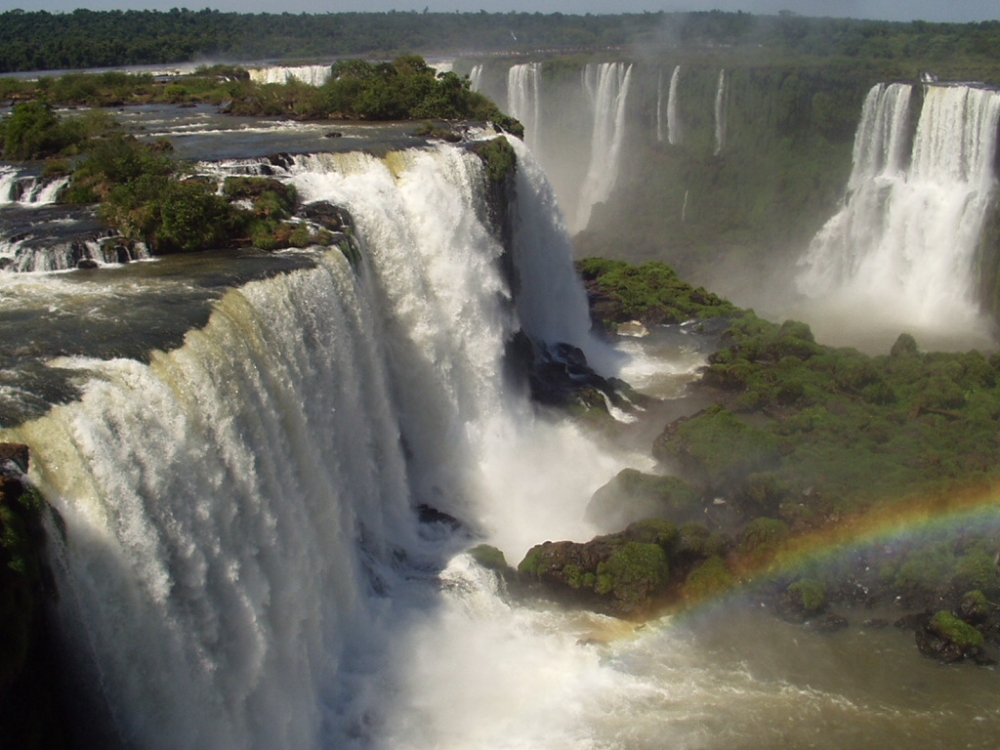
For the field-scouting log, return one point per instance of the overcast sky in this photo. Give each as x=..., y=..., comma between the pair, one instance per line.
x=894, y=10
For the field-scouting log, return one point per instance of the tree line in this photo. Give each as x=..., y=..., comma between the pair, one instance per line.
x=39, y=40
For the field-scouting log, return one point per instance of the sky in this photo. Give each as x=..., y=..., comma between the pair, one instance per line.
x=960, y=11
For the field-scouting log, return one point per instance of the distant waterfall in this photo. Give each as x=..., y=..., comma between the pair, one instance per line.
x=524, y=99
x=906, y=237
x=606, y=86
x=476, y=77
x=720, y=113
x=314, y=75
x=674, y=134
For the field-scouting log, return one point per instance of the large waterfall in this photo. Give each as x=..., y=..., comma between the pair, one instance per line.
x=243, y=563
x=606, y=85
x=524, y=99
x=905, y=241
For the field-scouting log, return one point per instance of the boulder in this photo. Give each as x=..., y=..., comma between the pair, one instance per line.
x=947, y=638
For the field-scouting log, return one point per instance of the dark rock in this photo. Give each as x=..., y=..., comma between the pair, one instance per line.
x=16, y=452
x=87, y=264
x=327, y=215
x=282, y=160
x=947, y=638
x=429, y=514
x=913, y=621
x=625, y=575
x=333, y=134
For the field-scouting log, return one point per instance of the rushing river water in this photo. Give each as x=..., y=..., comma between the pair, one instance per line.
x=237, y=444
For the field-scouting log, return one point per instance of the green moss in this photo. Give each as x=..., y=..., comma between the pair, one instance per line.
x=960, y=633
x=654, y=531
x=808, y=595
x=651, y=292
x=498, y=156
x=763, y=538
x=710, y=578
x=634, y=573
x=715, y=446
x=489, y=557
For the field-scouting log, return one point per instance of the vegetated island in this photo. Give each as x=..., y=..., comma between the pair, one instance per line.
x=794, y=483
x=149, y=197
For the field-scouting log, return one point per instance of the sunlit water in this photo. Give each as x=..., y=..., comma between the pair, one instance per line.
x=237, y=447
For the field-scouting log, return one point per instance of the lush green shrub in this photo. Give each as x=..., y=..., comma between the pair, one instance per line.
x=710, y=578
x=807, y=595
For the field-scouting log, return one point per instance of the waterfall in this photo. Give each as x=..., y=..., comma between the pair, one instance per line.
x=524, y=100
x=606, y=86
x=673, y=118
x=659, y=108
x=28, y=190
x=314, y=75
x=476, y=77
x=720, y=113
x=906, y=236
x=243, y=559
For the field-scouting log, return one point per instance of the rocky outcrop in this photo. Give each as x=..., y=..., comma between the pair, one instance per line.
x=29, y=717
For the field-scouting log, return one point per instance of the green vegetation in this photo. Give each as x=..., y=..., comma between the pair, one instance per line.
x=145, y=195
x=41, y=40
x=711, y=578
x=405, y=89
x=498, y=156
x=651, y=293
x=807, y=596
x=952, y=629
x=33, y=131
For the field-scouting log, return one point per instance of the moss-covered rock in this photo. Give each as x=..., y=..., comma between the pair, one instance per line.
x=633, y=495
x=709, y=579
x=30, y=716
x=947, y=638
x=805, y=598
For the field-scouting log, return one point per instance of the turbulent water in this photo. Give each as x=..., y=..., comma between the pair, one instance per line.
x=314, y=75
x=907, y=235
x=244, y=564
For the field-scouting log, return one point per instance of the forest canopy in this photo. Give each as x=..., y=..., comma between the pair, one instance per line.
x=39, y=40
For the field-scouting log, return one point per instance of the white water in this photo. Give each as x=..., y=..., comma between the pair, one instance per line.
x=720, y=113
x=26, y=190
x=674, y=133
x=903, y=246
x=243, y=556
x=524, y=99
x=314, y=75
x=606, y=86
x=476, y=77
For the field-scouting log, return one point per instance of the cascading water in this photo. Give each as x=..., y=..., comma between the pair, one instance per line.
x=28, y=190
x=720, y=113
x=524, y=99
x=314, y=75
x=606, y=85
x=674, y=134
x=476, y=77
x=905, y=241
x=242, y=548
